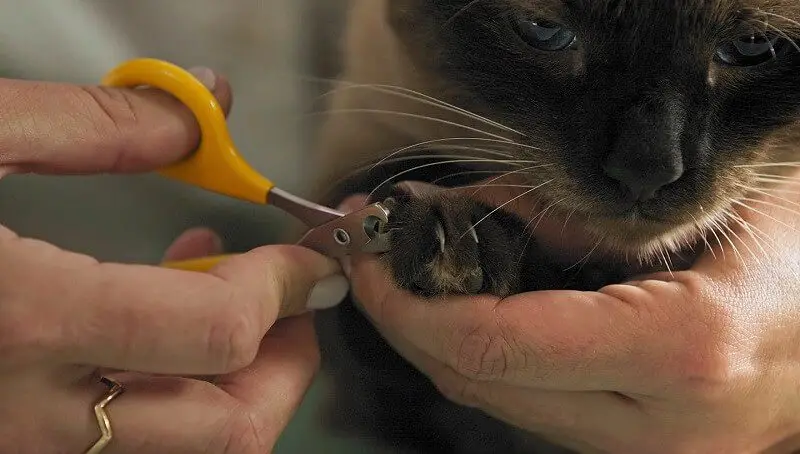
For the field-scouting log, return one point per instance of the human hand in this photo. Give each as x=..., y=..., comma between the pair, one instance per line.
x=700, y=361
x=206, y=364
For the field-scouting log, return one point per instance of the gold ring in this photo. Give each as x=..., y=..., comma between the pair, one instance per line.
x=115, y=388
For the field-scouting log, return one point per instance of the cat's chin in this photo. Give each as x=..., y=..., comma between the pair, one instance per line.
x=635, y=240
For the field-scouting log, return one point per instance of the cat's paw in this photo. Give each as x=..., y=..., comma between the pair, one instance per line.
x=449, y=244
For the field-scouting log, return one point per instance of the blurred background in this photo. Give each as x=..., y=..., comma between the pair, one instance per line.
x=266, y=48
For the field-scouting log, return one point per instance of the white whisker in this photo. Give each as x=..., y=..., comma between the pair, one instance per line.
x=513, y=172
x=772, y=204
x=585, y=258
x=422, y=98
x=754, y=233
x=439, y=163
x=410, y=115
x=509, y=202
x=769, y=164
x=770, y=195
x=703, y=231
x=722, y=226
x=778, y=31
x=744, y=205
x=742, y=242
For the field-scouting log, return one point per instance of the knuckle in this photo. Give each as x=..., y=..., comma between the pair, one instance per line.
x=483, y=354
x=111, y=114
x=233, y=340
x=116, y=111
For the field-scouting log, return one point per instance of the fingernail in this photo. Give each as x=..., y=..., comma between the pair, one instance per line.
x=347, y=266
x=205, y=75
x=328, y=293
x=216, y=244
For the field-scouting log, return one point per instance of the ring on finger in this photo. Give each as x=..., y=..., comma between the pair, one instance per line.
x=115, y=388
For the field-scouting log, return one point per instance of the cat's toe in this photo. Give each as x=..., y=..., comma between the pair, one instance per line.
x=437, y=248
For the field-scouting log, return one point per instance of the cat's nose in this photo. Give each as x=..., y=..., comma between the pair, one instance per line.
x=642, y=180
x=646, y=154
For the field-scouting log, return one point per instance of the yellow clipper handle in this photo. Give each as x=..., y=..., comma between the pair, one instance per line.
x=202, y=265
x=216, y=165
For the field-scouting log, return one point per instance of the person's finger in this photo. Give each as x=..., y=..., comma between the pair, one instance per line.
x=151, y=319
x=159, y=414
x=560, y=340
x=612, y=339
x=565, y=417
x=70, y=129
x=193, y=244
x=273, y=386
x=242, y=412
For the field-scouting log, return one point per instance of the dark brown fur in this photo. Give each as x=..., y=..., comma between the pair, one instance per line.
x=641, y=69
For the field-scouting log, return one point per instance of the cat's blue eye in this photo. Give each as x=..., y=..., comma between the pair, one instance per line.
x=751, y=50
x=545, y=35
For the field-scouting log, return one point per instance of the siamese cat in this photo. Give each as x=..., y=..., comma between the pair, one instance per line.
x=643, y=123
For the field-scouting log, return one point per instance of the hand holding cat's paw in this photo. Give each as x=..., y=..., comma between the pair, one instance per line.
x=699, y=361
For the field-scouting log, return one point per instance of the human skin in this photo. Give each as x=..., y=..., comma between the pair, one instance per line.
x=697, y=361
x=211, y=362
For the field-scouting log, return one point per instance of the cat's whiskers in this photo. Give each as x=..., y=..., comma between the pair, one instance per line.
x=422, y=98
x=713, y=229
x=719, y=225
x=702, y=230
x=445, y=141
x=776, y=16
x=768, y=193
x=453, y=161
x=773, y=205
x=742, y=204
x=471, y=186
x=543, y=214
x=409, y=115
x=508, y=202
x=569, y=216
x=465, y=173
x=778, y=31
x=664, y=256
x=768, y=164
x=754, y=232
x=458, y=14
x=781, y=186
x=510, y=173
x=769, y=26
x=435, y=154
x=585, y=259
x=727, y=227
x=419, y=157
x=528, y=235
x=775, y=176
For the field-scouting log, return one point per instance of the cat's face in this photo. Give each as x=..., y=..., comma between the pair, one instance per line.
x=647, y=114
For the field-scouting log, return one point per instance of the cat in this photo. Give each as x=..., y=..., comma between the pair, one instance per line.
x=644, y=123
